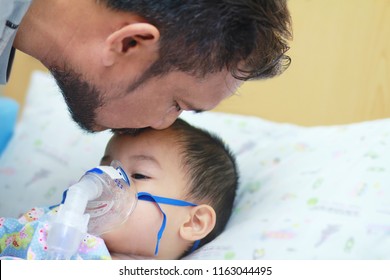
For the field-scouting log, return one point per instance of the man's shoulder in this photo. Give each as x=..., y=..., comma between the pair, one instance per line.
x=11, y=14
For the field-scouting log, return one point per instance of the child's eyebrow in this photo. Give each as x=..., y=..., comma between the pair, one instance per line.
x=105, y=158
x=151, y=159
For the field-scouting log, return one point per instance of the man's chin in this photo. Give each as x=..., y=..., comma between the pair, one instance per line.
x=89, y=127
x=127, y=131
x=82, y=98
x=97, y=128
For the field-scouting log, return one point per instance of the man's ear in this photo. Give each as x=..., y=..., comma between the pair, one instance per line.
x=130, y=39
x=199, y=224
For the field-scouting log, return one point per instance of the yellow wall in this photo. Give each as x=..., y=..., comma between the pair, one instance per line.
x=20, y=76
x=340, y=71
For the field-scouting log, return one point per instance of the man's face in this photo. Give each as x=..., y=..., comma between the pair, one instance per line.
x=109, y=103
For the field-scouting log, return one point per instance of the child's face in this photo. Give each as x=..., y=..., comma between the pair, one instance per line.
x=153, y=162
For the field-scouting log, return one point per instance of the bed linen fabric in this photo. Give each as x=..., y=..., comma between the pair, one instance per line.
x=305, y=192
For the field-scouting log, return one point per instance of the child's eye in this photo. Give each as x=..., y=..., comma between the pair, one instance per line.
x=138, y=176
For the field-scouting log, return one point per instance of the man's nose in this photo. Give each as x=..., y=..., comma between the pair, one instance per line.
x=167, y=120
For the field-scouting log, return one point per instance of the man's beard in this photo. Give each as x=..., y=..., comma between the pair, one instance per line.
x=83, y=100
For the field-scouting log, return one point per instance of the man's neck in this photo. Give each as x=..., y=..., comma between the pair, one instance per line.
x=50, y=27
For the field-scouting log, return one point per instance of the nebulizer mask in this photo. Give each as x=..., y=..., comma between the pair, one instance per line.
x=101, y=201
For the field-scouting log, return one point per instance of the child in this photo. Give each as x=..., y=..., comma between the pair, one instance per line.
x=183, y=163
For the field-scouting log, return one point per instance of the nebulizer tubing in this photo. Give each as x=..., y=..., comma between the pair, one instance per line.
x=100, y=201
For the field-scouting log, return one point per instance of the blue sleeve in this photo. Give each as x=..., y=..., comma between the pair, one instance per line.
x=8, y=115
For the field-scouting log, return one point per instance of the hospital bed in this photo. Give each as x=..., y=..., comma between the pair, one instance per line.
x=312, y=145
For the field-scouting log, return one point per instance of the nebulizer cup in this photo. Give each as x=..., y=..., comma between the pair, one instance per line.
x=101, y=201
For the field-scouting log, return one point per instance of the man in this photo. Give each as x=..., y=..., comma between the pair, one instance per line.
x=129, y=64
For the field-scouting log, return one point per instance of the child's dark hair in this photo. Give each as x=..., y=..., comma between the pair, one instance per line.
x=211, y=170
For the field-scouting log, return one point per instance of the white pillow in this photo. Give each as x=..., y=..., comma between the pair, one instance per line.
x=305, y=193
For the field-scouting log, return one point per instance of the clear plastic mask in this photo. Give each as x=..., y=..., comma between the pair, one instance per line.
x=115, y=204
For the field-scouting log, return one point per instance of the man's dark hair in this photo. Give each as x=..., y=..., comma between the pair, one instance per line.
x=212, y=172
x=249, y=38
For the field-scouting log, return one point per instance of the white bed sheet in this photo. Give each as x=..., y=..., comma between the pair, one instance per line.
x=305, y=193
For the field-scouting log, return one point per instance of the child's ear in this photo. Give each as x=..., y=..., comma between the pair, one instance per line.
x=132, y=38
x=200, y=223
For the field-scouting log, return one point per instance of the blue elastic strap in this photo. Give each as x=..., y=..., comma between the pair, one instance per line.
x=62, y=201
x=195, y=246
x=149, y=197
x=164, y=200
x=156, y=199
